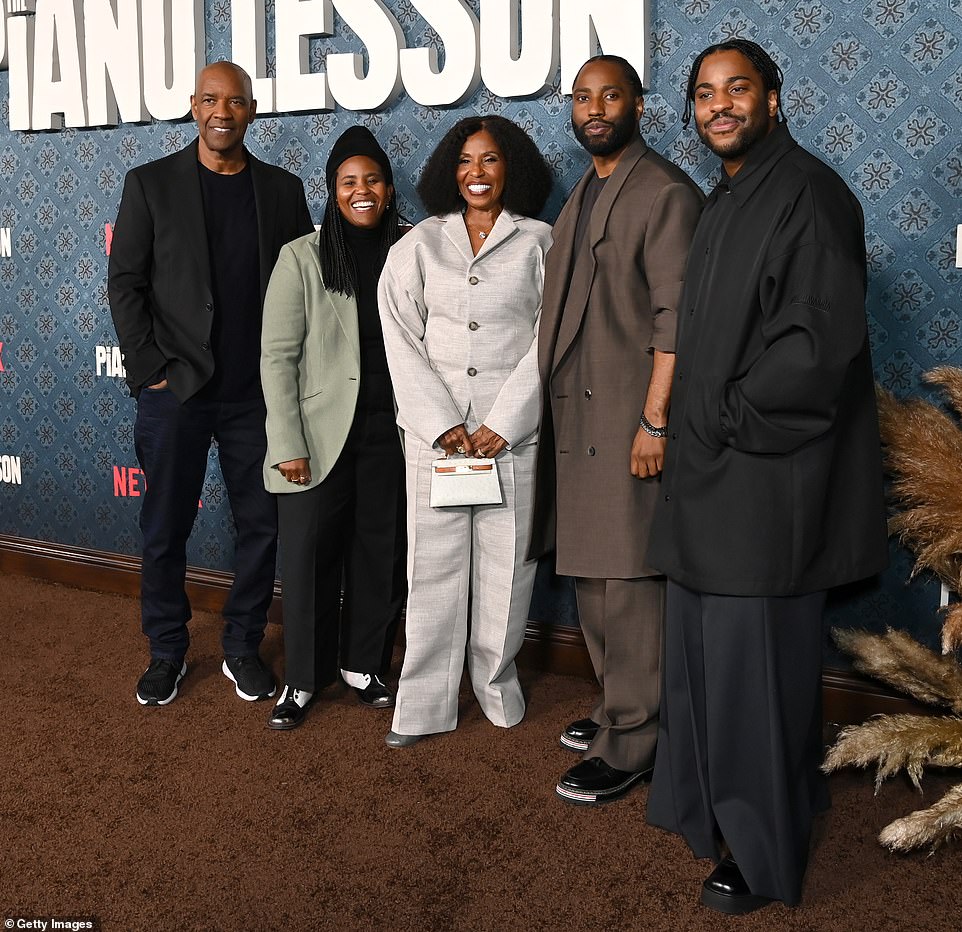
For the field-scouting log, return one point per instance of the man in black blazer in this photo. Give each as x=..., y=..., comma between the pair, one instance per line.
x=196, y=238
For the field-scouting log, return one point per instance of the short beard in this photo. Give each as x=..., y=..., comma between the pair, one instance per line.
x=738, y=147
x=622, y=132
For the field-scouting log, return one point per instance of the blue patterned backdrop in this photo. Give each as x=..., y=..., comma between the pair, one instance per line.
x=872, y=86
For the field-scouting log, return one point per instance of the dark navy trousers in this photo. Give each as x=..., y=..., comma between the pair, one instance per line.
x=172, y=440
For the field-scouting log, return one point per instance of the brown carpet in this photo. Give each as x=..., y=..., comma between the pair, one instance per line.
x=197, y=817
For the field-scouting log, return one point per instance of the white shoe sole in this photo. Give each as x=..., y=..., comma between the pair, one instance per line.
x=226, y=671
x=171, y=697
x=573, y=744
x=600, y=797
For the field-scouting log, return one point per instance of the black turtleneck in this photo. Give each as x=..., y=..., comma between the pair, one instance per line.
x=365, y=246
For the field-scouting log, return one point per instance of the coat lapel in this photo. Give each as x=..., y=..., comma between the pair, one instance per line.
x=189, y=206
x=582, y=274
x=558, y=271
x=345, y=309
x=265, y=204
x=456, y=231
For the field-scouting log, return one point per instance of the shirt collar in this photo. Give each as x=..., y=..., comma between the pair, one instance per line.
x=761, y=159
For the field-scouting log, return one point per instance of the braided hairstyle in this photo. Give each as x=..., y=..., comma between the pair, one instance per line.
x=338, y=266
x=763, y=63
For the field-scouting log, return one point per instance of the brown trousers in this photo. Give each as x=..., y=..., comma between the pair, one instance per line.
x=623, y=625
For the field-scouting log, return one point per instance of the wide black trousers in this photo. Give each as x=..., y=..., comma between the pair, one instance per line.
x=347, y=531
x=740, y=735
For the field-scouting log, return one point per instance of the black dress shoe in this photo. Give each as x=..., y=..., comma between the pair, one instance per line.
x=725, y=890
x=376, y=694
x=579, y=735
x=593, y=782
x=291, y=709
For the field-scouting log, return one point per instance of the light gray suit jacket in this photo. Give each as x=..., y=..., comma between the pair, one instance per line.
x=460, y=330
x=310, y=366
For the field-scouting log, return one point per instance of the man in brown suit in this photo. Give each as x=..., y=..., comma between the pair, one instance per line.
x=613, y=278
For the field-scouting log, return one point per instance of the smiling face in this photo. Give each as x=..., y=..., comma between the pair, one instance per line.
x=481, y=172
x=733, y=111
x=604, y=109
x=362, y=191
x=223, y=107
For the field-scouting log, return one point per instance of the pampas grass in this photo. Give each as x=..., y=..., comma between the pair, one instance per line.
x=899, y=660
x=898, y=742
x=933, y=826
x=923, y=454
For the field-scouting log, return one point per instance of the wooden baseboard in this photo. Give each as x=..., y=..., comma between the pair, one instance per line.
x=848, y=697
x=102, y=571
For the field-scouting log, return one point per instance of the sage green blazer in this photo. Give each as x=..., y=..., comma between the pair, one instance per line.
x=310, y=366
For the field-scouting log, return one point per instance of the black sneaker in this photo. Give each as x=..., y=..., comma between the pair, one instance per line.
x=252, y=680
x=158, y=684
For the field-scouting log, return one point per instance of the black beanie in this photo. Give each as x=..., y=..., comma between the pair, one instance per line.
x=357, y=140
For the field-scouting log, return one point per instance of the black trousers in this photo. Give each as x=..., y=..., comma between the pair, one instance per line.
x=740, y=735
x=350, y=530
x=172, y=441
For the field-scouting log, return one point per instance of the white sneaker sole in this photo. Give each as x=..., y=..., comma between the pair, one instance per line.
x=226, y=671
x=173, y=694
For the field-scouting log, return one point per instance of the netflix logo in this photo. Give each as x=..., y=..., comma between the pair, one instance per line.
x=130, y=482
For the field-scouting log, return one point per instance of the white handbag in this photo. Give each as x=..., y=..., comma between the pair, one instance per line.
x=464, y=481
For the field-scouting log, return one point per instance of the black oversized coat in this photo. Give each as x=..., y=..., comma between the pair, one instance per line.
x=773, y=478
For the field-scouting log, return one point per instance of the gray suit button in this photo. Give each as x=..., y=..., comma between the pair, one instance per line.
x=209, y=307
x=587, y=393
x=473, y=280
x=472, y=371
x=205, y=346
x=473, y=325
x=591, y=451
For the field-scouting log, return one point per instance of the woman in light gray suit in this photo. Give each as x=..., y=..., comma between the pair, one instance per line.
x=460, y=298
x=333, y=453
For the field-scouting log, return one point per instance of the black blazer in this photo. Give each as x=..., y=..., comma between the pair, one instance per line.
x=158, y=276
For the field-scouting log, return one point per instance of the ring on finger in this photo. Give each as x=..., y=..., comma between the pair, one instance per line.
x=460, y=448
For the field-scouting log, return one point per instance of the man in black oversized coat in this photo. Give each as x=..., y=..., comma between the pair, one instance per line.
x=772, y=489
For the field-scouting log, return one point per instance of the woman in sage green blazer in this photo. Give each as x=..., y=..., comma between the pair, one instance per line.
x=334, y=456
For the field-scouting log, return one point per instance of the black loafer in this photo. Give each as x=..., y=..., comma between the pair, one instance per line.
x=579, y=735
x=376, y=695
x=725, y=890
x=288, y=713
x=593, y=782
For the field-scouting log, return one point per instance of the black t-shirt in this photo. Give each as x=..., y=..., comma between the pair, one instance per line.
x=592, y=192
x=231, y=218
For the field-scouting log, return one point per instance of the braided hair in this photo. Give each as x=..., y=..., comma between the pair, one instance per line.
x=338, y=266
x=763, y=63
